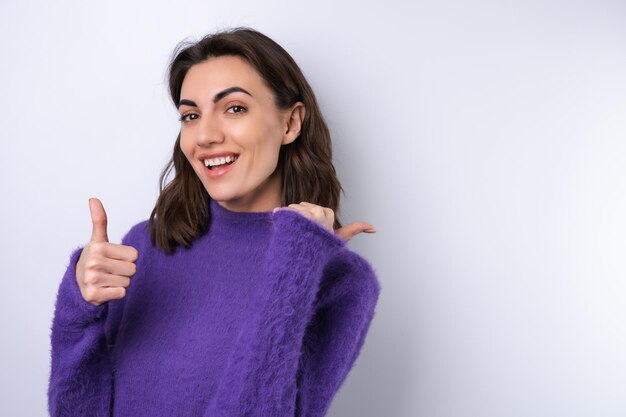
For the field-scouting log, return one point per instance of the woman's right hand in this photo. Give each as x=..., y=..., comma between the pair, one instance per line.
x=104, y=269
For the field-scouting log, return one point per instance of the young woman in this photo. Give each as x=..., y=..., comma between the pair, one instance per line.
x=238, y=297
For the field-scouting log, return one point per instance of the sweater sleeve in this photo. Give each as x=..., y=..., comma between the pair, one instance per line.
x=267, y=374
x=344, y=310
x=81, y=378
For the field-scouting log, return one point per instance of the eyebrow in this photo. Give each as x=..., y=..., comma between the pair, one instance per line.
x=217, y=97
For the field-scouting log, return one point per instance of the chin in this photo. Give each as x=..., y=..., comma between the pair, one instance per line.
x=221, y=197
x=224, y=196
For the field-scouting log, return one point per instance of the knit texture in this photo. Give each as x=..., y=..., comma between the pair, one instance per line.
x=263, y=316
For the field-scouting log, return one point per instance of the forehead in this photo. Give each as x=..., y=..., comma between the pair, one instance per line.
x=218, y=73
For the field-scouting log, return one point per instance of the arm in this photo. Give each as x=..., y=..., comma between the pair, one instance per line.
x=261, y=376
x=343, y=314
x=81, y=375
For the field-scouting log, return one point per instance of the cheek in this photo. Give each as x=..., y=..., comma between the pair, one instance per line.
x=265, y=152
x=269, y=145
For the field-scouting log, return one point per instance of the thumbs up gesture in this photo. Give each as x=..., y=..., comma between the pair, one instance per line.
x=104, y=269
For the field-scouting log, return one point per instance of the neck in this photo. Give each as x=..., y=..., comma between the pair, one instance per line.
x=265, y=198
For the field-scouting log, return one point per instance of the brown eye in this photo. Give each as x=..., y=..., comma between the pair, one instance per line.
x=184, y=119
x=236, y=109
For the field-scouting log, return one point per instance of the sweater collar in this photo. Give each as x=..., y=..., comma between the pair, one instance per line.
x=222, y=218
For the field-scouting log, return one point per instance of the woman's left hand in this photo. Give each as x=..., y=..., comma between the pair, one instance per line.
x=326, y=218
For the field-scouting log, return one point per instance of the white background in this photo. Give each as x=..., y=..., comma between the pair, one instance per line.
x=486, y=142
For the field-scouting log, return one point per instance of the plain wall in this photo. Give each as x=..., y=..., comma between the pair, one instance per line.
x=486, y=142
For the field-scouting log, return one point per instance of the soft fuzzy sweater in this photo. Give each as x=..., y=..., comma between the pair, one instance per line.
x=263, y=316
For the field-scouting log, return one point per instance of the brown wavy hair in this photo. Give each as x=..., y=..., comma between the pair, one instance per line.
x=182, y=213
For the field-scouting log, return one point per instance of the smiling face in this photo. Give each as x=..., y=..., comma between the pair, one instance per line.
x=231, y=133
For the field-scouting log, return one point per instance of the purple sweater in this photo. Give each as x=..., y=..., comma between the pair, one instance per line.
x=263, y=316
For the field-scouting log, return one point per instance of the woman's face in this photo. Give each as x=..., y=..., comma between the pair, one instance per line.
x=231, y=133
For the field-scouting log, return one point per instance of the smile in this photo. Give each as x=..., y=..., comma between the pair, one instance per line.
x=216, y=162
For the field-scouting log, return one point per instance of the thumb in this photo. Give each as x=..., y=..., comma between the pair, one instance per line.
x=99, y=221
x=353, y=229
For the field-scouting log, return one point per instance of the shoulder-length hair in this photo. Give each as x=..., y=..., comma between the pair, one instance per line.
x=182, y=212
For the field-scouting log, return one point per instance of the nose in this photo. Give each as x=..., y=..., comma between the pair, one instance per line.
x=209, y=131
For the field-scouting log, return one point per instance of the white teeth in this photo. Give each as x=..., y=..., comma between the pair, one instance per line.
x=219, y=161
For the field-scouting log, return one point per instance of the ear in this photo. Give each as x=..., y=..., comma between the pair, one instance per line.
x=293, y=125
